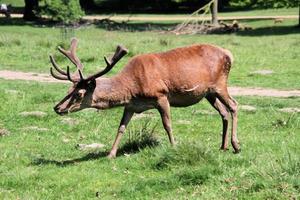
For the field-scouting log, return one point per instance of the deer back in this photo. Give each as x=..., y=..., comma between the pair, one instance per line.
x=177, y=70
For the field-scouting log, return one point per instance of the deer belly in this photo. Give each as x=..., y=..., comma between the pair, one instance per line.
x=184, y=99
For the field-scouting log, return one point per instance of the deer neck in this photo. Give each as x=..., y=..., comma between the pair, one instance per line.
x=110, y=92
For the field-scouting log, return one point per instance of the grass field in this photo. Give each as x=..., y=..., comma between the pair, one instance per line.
x=258, y=12
x=38, y=154
x=15, y=3
x=39, y=160
x=267, y=47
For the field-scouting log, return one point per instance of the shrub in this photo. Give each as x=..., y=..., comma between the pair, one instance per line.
x=66, y=11
x=264, y=3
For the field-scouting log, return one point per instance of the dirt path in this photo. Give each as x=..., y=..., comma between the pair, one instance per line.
x=174, y=18
x=235, y=91
x=183, y=18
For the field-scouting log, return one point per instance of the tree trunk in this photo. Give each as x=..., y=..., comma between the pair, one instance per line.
x=31, y=7
x=214, y=13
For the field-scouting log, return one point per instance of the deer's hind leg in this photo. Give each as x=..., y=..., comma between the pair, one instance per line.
x=232, y=106
x=225, y=114
x=164, y=110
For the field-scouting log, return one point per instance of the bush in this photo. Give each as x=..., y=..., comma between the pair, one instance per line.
x=264, y=3
x=66, y=11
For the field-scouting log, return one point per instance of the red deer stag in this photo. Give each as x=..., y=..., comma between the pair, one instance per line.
x=180, y=77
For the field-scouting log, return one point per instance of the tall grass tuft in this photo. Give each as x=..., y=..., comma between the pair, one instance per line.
x=5, y=41
x=140, y=138
x=186, y=154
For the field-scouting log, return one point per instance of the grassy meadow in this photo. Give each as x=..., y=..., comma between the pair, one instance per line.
x=39, y=158
x=266, y=47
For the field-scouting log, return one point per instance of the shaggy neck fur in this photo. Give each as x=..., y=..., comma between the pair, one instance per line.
x=111, y=92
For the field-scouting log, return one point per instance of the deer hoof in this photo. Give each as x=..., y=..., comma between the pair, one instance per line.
x=236, y=151
x=224, y=149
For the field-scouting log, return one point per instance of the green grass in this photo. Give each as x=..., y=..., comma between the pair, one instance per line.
x=39, y=158
x=256, y=12
x=268, y=46
x=263, y=12
x=46, y=165
x=15, y=3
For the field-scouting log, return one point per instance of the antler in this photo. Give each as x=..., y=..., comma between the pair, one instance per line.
x=71, y=55
x=119, y=53
x=59, y=77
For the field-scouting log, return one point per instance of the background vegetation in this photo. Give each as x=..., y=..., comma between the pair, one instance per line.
x=40, y=158
x=266, y=47
x=60, y=10
x=60, y=13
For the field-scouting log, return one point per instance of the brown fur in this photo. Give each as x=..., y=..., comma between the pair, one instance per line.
x=179, y=77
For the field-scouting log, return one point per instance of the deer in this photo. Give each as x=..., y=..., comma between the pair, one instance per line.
x=179, y=77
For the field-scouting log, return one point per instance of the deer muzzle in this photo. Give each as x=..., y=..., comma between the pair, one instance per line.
x=60, y=111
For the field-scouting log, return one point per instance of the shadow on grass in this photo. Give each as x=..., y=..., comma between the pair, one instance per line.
x=271, y=30
x=138, y=141
x=63, y=163
x=129, y=26
x=21, y=22
x=127, y=148
x=106, y=24
x=138, y=144
x=111, y=25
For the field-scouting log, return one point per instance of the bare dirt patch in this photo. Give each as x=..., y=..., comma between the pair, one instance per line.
x=243, y=91
x=69, y=121
x=4, y=132
x=35, y=128
x=33, y=114
x=93, y=146
x=290, y=110
x=183, y=122
x=12, y=92
x=247, y=108
x=263, y=72
x=28, y=76
x=143, y=115
x=234, y=91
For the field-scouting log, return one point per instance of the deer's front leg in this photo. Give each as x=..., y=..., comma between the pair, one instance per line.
x=125, y=120
x=164, y=110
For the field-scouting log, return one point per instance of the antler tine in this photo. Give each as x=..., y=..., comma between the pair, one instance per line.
x=71, y=54
x=57, y=76
x=119, y=53
x=56, y=66
x=80, y=74
x=68, y=75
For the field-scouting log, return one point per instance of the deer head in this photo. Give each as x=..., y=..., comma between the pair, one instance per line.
x=80, y=94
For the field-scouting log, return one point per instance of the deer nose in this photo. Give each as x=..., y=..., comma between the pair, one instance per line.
x=59, y=111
